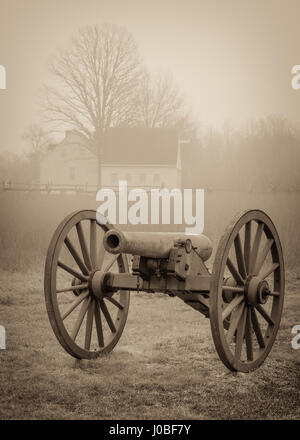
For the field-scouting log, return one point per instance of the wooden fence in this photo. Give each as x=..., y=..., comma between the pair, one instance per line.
x=49, y=188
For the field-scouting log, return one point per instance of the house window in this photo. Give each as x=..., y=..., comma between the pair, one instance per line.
x=72, y=173
x=156, y=179
x=142, y=179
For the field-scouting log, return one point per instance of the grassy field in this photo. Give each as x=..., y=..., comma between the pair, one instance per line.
x=164, y=367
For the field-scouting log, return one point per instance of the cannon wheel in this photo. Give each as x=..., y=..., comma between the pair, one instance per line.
x=246, y=306
x=93, y=329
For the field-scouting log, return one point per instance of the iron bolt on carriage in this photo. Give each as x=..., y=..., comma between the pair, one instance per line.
x=88, y=283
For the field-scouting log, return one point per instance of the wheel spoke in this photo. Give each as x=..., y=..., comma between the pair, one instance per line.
x=107, y=316
x=74, y=304
x=112, y=260
x=76, y=256
x=89, y=325
x=239, y=256
x=83, y=245
x=257, y=330
x=235, y=302
x=261, y=259
x=246, y=291
x=234, y=272
x=80, y=318
x=265, y=315
x=235, y=318
x=71, y=271
x=72, y=288
x=269, y=271
x=113, y=301
x=256, y=243
x=240, y=335
x=85, y=325
x=248, y=336
x=247, y=245
x=99, y=324
x=101, y=256
x=93, y=243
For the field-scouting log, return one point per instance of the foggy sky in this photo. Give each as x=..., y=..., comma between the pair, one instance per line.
x=232, y=59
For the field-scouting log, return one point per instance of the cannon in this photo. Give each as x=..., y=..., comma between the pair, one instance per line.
x=88, y=282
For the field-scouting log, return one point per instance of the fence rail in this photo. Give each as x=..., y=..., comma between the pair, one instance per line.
x=64, y=188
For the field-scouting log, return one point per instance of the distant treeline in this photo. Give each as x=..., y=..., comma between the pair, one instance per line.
x=18, y=168
x=263, y=156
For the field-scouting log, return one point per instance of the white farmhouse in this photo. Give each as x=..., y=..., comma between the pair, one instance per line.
x=144, y=157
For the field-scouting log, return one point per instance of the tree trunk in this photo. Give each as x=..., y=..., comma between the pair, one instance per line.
x=99, y=148
x=99, y=170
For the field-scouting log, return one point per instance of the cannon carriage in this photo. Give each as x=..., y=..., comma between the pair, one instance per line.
x=88, y=283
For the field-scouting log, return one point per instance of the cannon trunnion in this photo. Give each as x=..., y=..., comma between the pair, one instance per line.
x=88, y=283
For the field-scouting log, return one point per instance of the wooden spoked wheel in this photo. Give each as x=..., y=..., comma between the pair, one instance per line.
x=87, y=322
x=247, y=291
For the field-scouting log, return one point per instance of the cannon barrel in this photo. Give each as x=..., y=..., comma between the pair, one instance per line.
x=153, y=244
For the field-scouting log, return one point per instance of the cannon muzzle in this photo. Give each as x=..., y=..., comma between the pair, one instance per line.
x=153, y=244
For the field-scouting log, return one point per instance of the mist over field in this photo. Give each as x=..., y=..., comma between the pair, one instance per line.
x=31, y=219
x=254, y=167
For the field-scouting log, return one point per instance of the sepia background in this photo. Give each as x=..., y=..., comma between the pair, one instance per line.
x=191, y=94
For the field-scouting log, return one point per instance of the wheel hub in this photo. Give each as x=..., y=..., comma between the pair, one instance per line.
x=256, y=291
x=98, y=284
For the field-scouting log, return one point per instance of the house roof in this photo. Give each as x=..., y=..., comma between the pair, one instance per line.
x=133, y=146
x=140, y=146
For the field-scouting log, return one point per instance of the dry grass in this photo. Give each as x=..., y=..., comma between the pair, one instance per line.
x=164, y=367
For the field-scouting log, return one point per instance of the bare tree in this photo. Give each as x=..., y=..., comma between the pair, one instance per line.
x=160, y=104
x=37, y=138
x=95, y=82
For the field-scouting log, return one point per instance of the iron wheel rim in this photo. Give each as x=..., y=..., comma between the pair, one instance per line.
x=249, y=325
x=51, y=293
